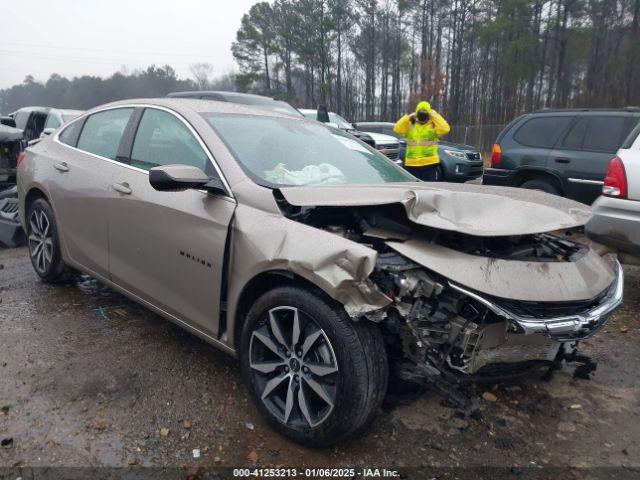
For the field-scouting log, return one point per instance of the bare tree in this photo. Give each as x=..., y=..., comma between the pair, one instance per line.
x=202, y=74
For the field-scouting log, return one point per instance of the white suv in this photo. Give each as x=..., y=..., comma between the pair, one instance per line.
x=616, y=213
x=386, y=144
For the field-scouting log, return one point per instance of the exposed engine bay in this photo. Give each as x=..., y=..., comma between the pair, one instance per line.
x=443, y=333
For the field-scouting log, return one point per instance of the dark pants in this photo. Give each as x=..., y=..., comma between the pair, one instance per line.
x=428, y=173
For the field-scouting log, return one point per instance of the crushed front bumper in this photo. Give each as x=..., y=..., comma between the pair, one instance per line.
x=561, y=328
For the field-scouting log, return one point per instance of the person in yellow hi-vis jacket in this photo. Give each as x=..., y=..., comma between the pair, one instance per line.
x=422, y=130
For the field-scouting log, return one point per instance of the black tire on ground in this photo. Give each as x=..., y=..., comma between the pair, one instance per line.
x=542, y=185
x=357, y=349
x=43, y=241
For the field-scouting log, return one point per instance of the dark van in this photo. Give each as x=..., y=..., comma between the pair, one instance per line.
x=564, y=152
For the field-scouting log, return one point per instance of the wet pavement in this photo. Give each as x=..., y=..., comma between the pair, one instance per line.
x=89, y=378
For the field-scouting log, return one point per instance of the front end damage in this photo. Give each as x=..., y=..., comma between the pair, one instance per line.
x=468, y=307
x=446, y=332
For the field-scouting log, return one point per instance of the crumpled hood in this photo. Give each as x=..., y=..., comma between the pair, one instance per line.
x=470, y=209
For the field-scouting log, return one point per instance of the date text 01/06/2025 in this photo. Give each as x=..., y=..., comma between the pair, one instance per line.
x=314, y=473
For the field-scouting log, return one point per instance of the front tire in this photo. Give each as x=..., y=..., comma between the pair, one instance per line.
x=316, y=375
x=44, y=243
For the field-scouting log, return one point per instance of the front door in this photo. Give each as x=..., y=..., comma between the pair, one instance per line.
x=168, y=247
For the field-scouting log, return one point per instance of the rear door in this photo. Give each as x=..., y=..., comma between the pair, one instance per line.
x=583, y=154
x=168, y=247
x=82, y=165
x=532, y=141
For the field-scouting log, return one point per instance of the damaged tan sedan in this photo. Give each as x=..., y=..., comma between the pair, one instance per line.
x=319, y=263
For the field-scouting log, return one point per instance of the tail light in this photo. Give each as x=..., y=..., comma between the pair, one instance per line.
x=20, y=158
x=615, y=183
x=496, y=155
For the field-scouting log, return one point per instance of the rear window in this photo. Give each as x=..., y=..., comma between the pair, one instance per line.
x=631, y=138
x=606, y=133
x=103, y=131
x=542, y=132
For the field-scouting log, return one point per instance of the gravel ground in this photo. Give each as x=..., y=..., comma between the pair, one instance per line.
x=88, y=378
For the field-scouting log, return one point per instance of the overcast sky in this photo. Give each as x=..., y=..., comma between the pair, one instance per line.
x=99, y=37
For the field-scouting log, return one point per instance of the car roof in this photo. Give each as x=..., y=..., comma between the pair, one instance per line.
x=196, y=105
x=220, y=93
x=66, y=111
x=32, y=109
x=586, y=110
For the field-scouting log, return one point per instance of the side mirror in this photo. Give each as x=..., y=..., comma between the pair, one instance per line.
x=47, y=131
x=323, y=114
x=177, y=178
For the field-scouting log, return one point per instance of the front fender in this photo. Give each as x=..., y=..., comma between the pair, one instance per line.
x=338, y=266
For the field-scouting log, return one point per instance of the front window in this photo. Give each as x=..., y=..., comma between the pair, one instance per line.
x=163, y=139
x=279, y=151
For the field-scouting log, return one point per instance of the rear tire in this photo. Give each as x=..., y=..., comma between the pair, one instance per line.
x=43, y=241
x=320, y=381
x=541, y=185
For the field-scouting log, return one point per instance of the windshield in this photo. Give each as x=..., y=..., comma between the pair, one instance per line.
x=281, y=151
x=340, y=122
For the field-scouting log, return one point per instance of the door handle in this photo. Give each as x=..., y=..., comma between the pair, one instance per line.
x=563, y=160
x=122, y=188
x=61, y=167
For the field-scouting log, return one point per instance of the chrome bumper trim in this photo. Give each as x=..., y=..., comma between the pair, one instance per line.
x=562, y=329
x=586, y=182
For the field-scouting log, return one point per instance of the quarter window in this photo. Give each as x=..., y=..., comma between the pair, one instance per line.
x=103, y=131
x=542, y=132
x=69, y=135
x=606, y=133
x=163, y=139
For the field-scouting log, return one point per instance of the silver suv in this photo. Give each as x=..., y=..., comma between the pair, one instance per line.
x=310, y=256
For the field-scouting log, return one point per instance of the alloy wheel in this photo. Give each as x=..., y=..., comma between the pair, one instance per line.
x=40, y=240
x=294, y=367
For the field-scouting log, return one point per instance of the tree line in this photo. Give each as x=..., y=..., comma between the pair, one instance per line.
x=89, y=91
x=478, y=61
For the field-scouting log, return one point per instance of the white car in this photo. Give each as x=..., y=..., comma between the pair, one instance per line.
x=385, y=144
x=616, y=213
